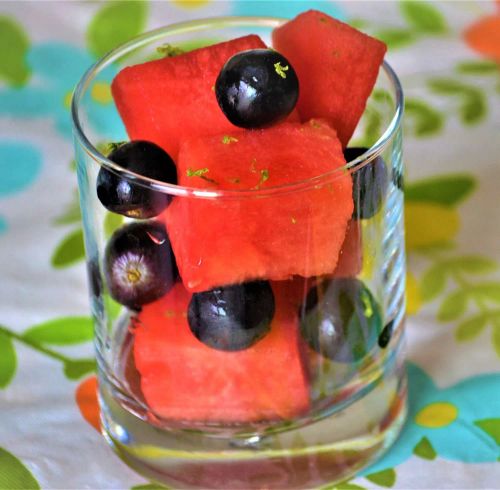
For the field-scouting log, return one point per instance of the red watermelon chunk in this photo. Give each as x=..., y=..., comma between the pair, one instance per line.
x=219, y=242
x=183, y=379
x=351, y=254
x=167, y=100
x=337, y=67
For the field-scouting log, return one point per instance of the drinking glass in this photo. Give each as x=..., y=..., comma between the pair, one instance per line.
x=323, y=394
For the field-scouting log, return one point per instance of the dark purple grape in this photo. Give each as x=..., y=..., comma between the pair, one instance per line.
x=131, y=199
x=340, y=319
x=369, y=184
x=139, y=264
x=232, y=318
x=257, y=88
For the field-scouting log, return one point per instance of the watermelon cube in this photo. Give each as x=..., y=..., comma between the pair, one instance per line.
x=225, y=241
x=337, y=67
x=166, y=100
x=183, y=379
x=351, y=254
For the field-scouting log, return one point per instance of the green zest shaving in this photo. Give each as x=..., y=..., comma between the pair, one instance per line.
x=115, y=145
x=264, y=175
x=196, y=173
x=226, y=140
x=169, y=51
x=280, y=70
x=200, y=173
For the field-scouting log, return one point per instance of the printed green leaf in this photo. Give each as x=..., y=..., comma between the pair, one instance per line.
x=473, y=107
x=423, y=17
x=71, y=215
x=14, y=475
x=372, y=129
x=358, y=23
x=62, y=331
x=112, y=222
x=495, y=338
x=70, y=250
x=426, y=120
x=433, y=282
x=424, y=449
x=452, y=307
x=345, y=485
x=474, y=264
x=470, y=328
x=433, y=248
x=149, y=486
x=14, y=44
x=78, y=368
x=385, y=478
x=447, y=190
x=491, y=427
x=448, y=86
x=396, y=38
x=8, y=360
x=115, y=23
x=488, y=290
x=477, y=67
x=113, y=308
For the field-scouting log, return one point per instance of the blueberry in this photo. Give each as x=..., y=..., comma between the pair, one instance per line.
x=340, y=319
x=234, y=317
x=122, y=196
x=257, y=88
x=386, y=335
x=369, y=184
x=139, y=264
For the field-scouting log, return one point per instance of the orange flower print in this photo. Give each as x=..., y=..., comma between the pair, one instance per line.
x=86, y=399
x=483, y=36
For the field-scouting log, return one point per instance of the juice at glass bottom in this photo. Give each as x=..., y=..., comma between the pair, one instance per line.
x=249, y=316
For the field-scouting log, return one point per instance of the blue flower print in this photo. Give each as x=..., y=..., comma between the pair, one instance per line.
x=461, y=423
x=56, y=69
x=20, y=165
x=285, y=8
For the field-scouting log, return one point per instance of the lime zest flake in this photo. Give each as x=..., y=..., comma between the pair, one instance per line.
x=169, y=51
x=280, y=70
x=200, y=173
x=115, y=145
x=226, y=139
x=264, y=175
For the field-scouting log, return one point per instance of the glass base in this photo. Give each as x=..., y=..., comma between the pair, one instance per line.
x=322, y=452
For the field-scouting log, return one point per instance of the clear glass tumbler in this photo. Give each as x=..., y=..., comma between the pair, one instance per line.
x=323, y=393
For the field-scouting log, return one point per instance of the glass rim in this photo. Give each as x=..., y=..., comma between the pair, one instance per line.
x=178, y=190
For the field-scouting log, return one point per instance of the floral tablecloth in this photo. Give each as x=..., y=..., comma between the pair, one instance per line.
x=448, y=56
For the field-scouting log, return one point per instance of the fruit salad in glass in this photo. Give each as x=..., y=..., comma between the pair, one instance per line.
x=244, y=242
